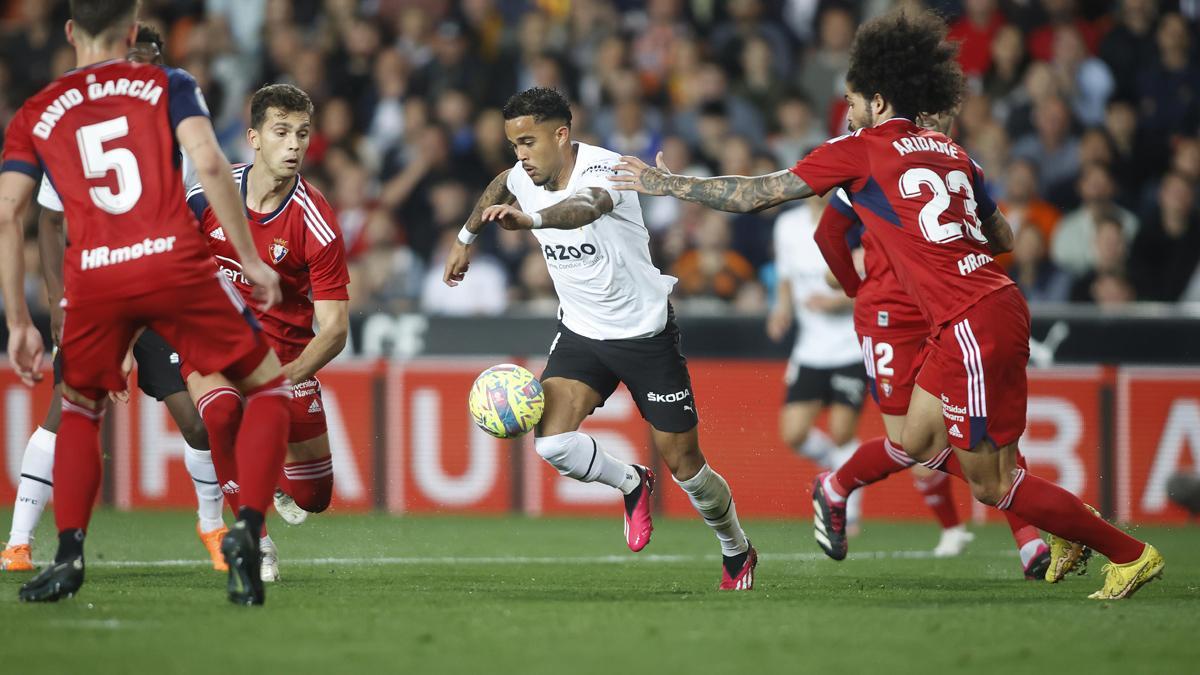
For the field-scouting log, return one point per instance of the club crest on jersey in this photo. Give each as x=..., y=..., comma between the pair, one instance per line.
x=278, y=250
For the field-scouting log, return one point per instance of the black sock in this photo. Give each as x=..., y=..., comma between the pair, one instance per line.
x=733, y=563
x=254, y=520
x=70, y=545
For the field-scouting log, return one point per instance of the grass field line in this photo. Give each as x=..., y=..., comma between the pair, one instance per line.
x=653, y=558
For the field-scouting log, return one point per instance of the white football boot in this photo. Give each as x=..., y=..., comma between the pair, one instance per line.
x=270, y=559
x=287, y=509
x=954, y=540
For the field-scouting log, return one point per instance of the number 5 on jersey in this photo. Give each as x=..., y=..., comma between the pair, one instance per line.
x=97, y=162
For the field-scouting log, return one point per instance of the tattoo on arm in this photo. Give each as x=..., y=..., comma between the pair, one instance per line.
x=495, y=193
x=577, y=210
x=737, y=194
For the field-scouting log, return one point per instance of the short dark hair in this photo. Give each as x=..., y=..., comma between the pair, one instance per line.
x=285, y=97
x=96, y=17
x=541, y=103
x=905, y=58
x=150, y=34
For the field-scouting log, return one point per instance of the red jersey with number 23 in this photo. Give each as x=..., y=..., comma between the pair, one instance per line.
x=301, y=240
x=104, y=134
x=919, y=193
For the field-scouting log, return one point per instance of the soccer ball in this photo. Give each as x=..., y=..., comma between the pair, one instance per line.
x=506, y=401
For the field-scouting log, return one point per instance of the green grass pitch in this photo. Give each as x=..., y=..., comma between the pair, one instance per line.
x=515, y=595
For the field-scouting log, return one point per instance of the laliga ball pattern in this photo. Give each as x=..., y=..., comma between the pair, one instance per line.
x=506, y=401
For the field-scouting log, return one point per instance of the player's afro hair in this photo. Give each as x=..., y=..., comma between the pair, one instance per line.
x=149, y=34
x=905, y=58
x=541, y=103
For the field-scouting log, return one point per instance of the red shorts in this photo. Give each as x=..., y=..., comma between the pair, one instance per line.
x=206, y=323
x=976, y=365
x=308, y=411
x=892, y=362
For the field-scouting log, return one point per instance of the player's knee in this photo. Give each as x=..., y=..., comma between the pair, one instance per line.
x=556, y=450
x=840, y=437
x=317, y=498
x=793, y=435
x=990, y=492
x=195, y=435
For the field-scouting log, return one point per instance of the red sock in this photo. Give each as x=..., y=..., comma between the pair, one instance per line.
x=262, y=442
x=76, y=466
x=939, y=498
x=221, y=410
x=1022, y=532
x=873, y=461
x=1055, y=510
x=309, y=483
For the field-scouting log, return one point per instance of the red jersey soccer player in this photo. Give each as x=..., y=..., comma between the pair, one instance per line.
x=135, y=259
x=923, y=197
x=296, y=232
x=893, y=334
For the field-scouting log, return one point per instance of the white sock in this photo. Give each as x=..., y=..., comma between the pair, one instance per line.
x=817, y=447
x=830, y=494
x=1030, y=549
x=840, y=455
x=36, y=486
x=712, y=499
x=577, y=455
x=209, y=499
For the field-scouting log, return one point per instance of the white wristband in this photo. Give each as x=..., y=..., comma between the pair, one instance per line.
x=537, y=220
x=466, y=237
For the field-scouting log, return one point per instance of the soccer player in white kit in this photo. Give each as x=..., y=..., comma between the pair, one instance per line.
x=825, y=369
x=615, y=322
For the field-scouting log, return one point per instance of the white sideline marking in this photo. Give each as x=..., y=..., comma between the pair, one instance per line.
x=630, y=559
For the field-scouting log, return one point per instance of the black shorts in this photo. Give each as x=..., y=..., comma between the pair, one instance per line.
x=157, y=366
x=653, y=369
x=846, y=385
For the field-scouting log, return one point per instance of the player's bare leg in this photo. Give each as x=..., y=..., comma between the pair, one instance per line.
x=797, y=430
x=210, y=526
x=712, y=499
x=579, y=456
x=76, y=484
x=33, y=490
x=306, y=484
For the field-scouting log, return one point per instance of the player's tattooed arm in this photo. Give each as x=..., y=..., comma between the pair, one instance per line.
x=496, y=193
x=998, y=232
x=571, y=213
x=736, y=194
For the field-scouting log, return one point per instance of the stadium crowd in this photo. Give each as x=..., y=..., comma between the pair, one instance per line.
x=1084, y=115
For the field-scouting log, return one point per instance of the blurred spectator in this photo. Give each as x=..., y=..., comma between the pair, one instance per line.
x=663, y=213
x=1170, y=88
x=1106, y=281
x=651, y=48
x=1166, y=251
x=823, y=70
x=454, y=66
x=1084, y=79
x=483, y=292
x=708, y=93
x=760, y=82
x=746, y=21
x=1036, y=275
x=1061, y=13
x=1007, y=64
x=974, y=31
x=537, y=287
x=797, y=131
x=631, y=135
x=1022, y=205
x=1072, y=247
x=1053, y=146
x=1132, y=162
x=1129, y=47
x=711, y=268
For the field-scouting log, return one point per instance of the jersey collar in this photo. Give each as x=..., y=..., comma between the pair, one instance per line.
x=278, y=210
x=96, y=65
x=894, y=119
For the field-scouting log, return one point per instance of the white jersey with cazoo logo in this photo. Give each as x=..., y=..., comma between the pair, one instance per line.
x=608, y=289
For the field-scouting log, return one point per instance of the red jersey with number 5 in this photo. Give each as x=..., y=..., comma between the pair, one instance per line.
x=920, y=194
x=105, y=136
x=301, y=240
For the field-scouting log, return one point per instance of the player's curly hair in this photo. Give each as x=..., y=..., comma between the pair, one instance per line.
x=905, y=58
x=149, y=34
x=541, y=103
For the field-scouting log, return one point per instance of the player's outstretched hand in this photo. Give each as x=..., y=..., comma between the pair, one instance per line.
x=25, y=351
x=507, y=216
x=456, y=264
x=634, y=174
x=266, y=284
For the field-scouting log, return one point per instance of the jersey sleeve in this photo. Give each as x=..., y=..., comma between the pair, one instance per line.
x=19, y=152
x=325, y=251
x=595, y=175
x=837, y=162
x=837, y=222
x=197, y=201
x=985, y=206
x=184, y=98
x=47, y=196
